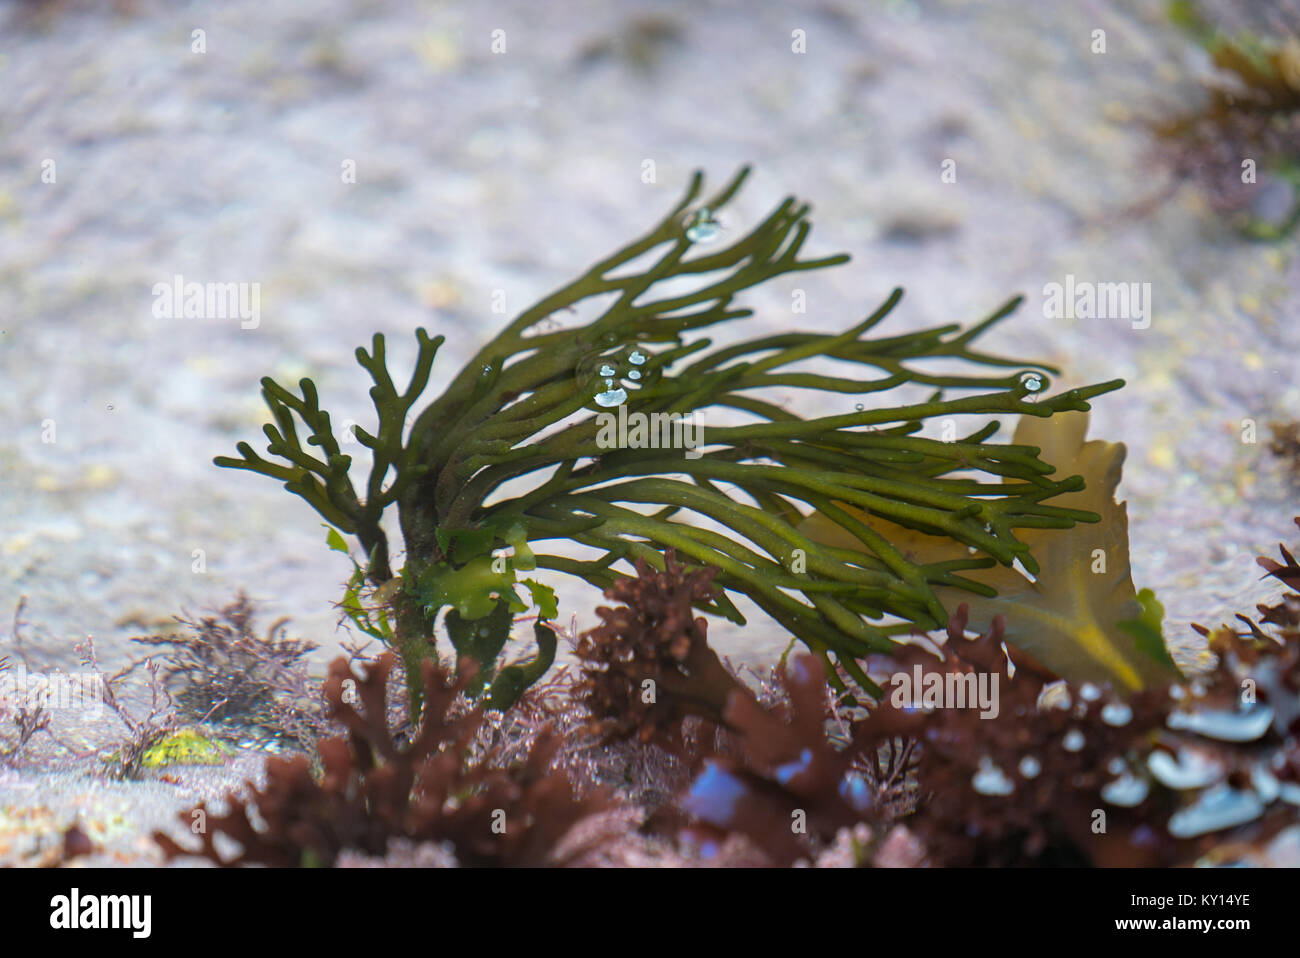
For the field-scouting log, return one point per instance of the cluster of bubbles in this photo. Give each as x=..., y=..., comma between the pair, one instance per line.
x=611, y=385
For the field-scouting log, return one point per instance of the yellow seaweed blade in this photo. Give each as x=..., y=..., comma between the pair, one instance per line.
x=1067, y=618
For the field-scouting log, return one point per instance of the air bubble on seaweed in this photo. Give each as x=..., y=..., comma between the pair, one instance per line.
x=701, y=227
x=1033, y=382
x=611, y=396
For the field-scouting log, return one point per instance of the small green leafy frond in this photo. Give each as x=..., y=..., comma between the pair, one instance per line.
x=540, y=403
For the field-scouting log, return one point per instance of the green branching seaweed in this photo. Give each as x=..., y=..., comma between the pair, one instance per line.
x=325, y=483
x=541, y=404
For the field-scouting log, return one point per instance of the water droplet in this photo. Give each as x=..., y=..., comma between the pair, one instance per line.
x=611, y=396
x=1030, y=766
x=1189, y=769
x=990, y=780
x=1225, y=726
x=1032, y=382
x=109, y=407
x=1089, y=692
x=702, y=232
x=634, y=374
x=859, y=407
x=1116, y=714
x=1073, y=741
x=1126, y=791
x=701, y=227
x=1116, y=765
x=637, y=359
x=608, y=370
x=1217, y=808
